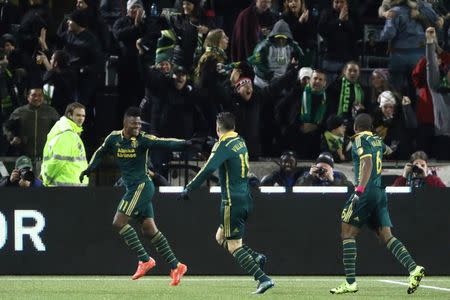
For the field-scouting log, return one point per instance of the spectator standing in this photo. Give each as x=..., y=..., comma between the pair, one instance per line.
x=273, y=55
x=216, y=43
x=59, y=80
x=339, y=29
x=406, y=47
x=301, y=121
x=86, y=58
x=35, y=120
x=250, y=27
x=426, y=136
x=379, y=82
x=64, y=156
x=394, y=124
x=346, y=96
x=303, y=25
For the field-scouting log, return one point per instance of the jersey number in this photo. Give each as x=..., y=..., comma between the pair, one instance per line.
x=244, y=164
x=379, y=163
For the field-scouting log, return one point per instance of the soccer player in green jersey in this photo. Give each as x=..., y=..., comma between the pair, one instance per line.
x=368, y=205
x=130, y=148
x=230, y=156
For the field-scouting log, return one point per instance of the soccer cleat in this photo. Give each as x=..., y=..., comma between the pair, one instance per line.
x=261, y=259
x=345, y=287
x=414, y=279
x=143, y=267
x=177, y=273
x=264, y=286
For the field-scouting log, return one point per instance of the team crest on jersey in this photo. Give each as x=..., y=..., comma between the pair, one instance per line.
x=134, y=142
x=360, y=151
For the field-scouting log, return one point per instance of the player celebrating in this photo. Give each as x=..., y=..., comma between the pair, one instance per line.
x=230, y=155
x=368, y=205
x=130, y=148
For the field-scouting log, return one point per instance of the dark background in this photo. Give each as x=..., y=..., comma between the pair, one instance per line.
x=298, y=232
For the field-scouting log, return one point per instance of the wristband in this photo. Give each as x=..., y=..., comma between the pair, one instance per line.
x=359, y=189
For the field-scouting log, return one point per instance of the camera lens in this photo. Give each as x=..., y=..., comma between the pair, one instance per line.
x=416, y=169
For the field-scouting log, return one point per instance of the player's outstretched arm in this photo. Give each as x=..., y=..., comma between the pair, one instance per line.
x=153, y=142
x=218, y=155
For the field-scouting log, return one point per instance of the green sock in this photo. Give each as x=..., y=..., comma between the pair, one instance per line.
x=401, y=254
x=252, y=252
x=132, y=240
x=163, y=248
x=246, y=261
x=349, y=259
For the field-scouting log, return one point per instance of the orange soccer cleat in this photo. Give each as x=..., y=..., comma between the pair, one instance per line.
x=177, y=273
x=143, y=267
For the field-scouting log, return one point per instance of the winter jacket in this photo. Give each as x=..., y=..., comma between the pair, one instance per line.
x=340, y=36
x=34, y=124
x=64, y=156
x=430, y=180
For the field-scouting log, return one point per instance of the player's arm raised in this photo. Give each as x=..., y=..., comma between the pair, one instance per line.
x=154, y=142
x=218, y=155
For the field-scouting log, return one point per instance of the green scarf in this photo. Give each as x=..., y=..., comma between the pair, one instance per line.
x=344, y=99
x=306, y=114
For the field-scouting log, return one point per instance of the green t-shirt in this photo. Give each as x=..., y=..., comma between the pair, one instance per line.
x=131, y=154
x=366, y=144
x=230, y=156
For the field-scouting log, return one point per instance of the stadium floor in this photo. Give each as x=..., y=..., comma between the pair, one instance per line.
x=211, y=287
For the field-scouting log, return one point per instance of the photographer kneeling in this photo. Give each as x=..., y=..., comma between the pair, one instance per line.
x=322, y=174
x=22, y=175
x=416, y=173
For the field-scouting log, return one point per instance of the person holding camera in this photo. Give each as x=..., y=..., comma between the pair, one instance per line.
x=417, y=174
x=22, y=175
x=322, y=174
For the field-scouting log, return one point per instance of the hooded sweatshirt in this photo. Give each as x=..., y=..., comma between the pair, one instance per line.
x=271, y=61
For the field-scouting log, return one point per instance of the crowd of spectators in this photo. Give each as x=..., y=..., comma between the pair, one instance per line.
x=292, y=72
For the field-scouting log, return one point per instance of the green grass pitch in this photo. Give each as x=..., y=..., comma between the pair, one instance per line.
x=212, y=287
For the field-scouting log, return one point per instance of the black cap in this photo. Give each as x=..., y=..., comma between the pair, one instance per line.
x=180, y=69
x=81, y=17
x=334, y=122
x=325, y=157
x=7, y=37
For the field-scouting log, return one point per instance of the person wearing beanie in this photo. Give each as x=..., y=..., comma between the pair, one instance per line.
x=85, y=56
x=334, y=139
x=394, y=122
x=92, y=21
x=304, y=75
x=322, y=173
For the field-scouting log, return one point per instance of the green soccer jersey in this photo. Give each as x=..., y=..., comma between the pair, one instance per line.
x=366, y=144
x=131, y=154
x=230, y=155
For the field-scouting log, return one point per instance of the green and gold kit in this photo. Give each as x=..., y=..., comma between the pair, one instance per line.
x=230, y=156
x=371, y=208
x=131, y=157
